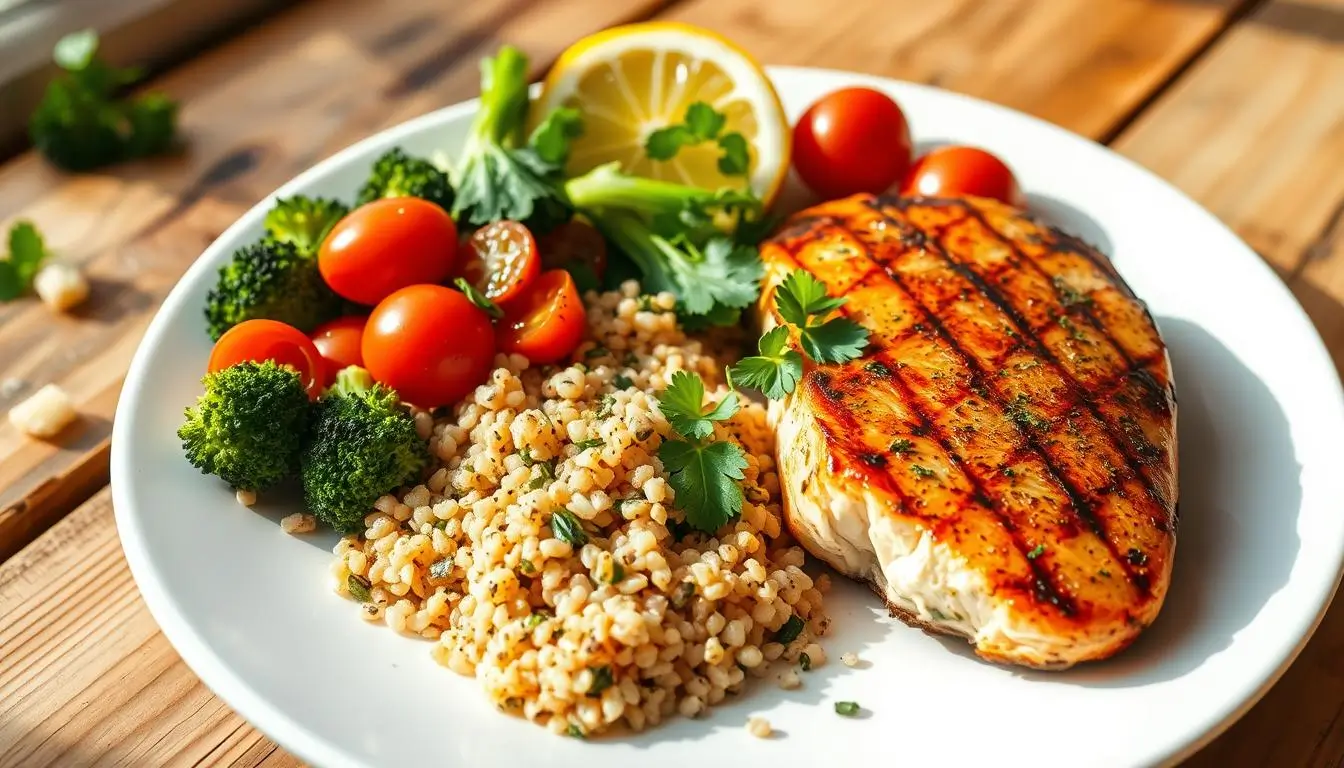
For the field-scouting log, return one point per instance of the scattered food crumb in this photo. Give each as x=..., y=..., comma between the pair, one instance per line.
x=248, y=498
x=823, y=583
x=847, y=708
x=298, y=523
x=759, y=727
x=45, y=413
x=849, y=659
x=61, y=286
x=815, y=654
x=10, y=387
x=790, y=680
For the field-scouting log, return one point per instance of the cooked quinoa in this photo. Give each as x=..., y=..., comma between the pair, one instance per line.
x=644, y=619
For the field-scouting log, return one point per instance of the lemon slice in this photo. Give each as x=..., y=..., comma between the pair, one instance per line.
x=631, y=80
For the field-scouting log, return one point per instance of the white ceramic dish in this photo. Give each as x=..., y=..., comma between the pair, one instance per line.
x=1259, y=555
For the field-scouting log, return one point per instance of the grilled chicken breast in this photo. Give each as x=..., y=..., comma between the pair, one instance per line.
x=1001, y=462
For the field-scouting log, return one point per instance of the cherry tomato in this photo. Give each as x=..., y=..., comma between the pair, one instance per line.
x=338, y=342
x=851, y=140
x=386, y=245
x=501, y=260
x=545, y=324
x=575, y=246
x=430, y=344
x=261, y=340
x=962, y=171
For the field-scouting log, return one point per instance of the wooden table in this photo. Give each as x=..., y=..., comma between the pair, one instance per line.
x=1240, y=103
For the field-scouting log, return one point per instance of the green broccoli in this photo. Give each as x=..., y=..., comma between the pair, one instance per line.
x=502, y=175
x=363, y=446
x=304, y=221
x=397, y=174
x=249, y=426
x=273, y=280
x=82, y=123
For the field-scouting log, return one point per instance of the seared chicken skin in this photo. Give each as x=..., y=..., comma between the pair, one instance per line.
x=1001, y=462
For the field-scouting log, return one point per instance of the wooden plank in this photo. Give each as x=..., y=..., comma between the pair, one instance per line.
x=255, y=112
x=1255, y=132
x=85, y=675
x=1082, y=64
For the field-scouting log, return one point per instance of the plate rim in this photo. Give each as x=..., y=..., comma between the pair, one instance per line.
x=314, y=748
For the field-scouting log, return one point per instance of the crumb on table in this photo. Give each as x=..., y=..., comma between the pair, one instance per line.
x=245, y=497
x=44, y=414
x=759, y=727
x=849, y=659
x=790, y=680
x=298, y=522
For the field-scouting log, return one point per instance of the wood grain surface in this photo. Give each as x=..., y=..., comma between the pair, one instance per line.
x=1239, y=103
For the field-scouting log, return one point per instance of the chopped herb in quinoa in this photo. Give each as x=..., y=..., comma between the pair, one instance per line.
x=359, y=588
x=567, y=528
x=789, y=631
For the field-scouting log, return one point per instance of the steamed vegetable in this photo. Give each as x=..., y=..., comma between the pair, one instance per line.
x=364, y=445
x=397, y=174
x=272, y=280
x=84, y=123
x=304, y=221
x=249, y=425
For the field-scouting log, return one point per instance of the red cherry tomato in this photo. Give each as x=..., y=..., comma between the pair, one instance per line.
x=338, y=342
x=386, y=245
x=430, y=344
x=851, y=140
x=575, y=246
x=545, y=324
x=261, y=340
x=501, y=260
x=960, y=172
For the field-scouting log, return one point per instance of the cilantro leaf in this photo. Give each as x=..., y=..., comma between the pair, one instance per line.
x=735, y=160
x=802, y=295
x=702, y=123
x=664, y=143
x=706, y=479
x=725, y=273
x=775, y=372
x=551, y=139
x=835, y=341
x=26, y=254
x=682, y=406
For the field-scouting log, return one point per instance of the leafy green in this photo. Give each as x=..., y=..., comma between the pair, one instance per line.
x=847, y=708
x=304, y=221
x=398, y=174
x=26, y=254
x=552, y=137
x=602, y=680
x=789, y=631
x=359, y=588
x=499, y=176
x=681, y=404
x=567, y=528
x=83, y=123
x=803, y=302
x=706, y=478
x=775, y=372
x=702, y=123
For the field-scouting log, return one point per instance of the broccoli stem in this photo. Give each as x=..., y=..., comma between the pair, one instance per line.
x=607, y=187
x=653, y=255
x=504, y=102
x=351, y=381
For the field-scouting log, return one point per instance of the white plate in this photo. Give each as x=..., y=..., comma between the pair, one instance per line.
x=1261, y=538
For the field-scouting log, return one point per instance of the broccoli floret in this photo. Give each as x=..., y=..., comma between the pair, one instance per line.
x=363, y=446
x=273, y=280
x=249, y=426
x=304, y=221
x=397, y=174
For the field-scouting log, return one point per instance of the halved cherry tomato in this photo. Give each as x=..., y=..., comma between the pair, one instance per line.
x=386, y=245
x=851, y=140
x=430, y=344
x=962, y=171
x=338, y=342
x=545, y=324
x=575, y=246
x=261, y=340
x=501, y=260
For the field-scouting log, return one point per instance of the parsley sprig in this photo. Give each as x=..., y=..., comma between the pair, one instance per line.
x=705, y=475
x=26, y=254
x=806, y=308
x=702, y=123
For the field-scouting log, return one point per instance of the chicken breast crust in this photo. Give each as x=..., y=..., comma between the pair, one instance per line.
x=1000, y=464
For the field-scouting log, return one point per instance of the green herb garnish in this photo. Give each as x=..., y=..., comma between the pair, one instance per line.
x=774, y=372
x=805, y=662
x=1036, y=552
x=702, y=123
x=479, y=299
x=359, y=588
x=790, y=630
x=584, y=445
x=26, y=254
x=602, y=680
x=847, y=708
x=567, y=528
x=706, y=476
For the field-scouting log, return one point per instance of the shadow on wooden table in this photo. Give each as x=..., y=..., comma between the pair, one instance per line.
x=1222, y=404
